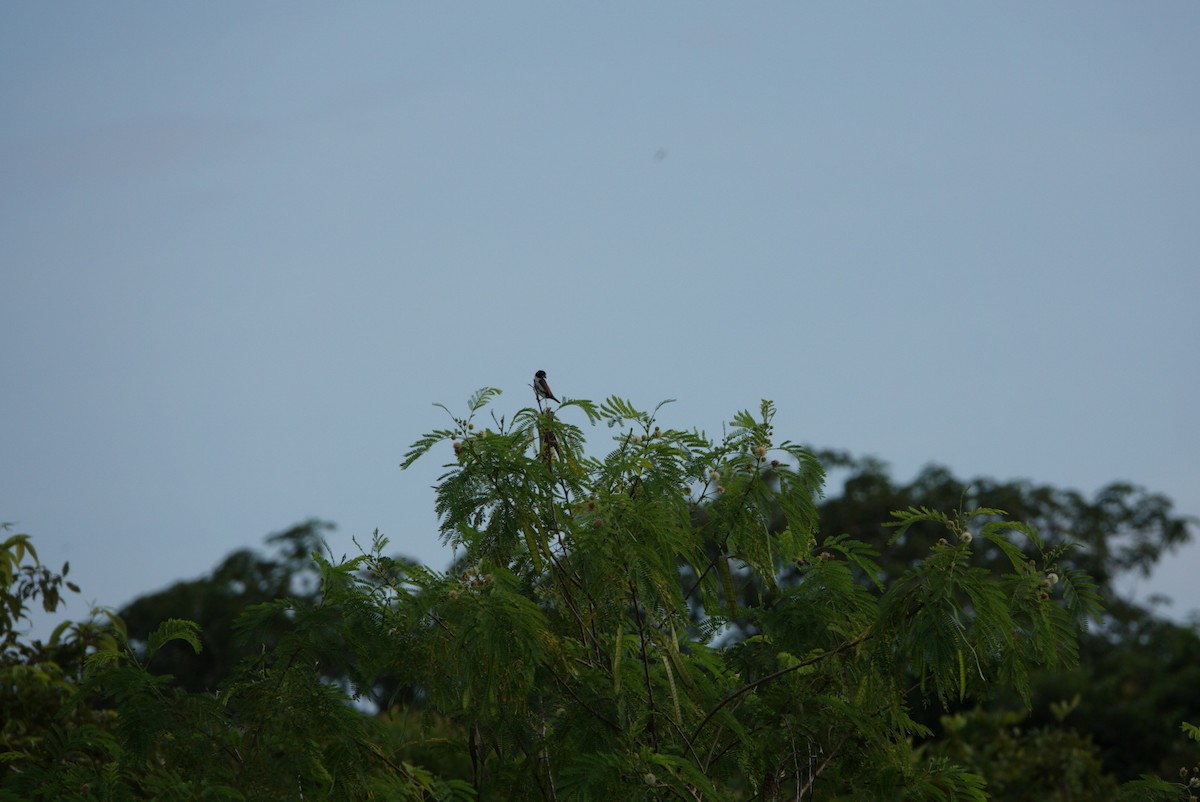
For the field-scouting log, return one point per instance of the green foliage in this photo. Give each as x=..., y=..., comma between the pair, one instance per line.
x=1152, y=789
x=243, y=579
x=660, y=617
x=25, y=579
x=1121, y=528
x=1024, y=764
x=1137, y=677
x=84, y=718
x=1137, y=674
x=609, y=679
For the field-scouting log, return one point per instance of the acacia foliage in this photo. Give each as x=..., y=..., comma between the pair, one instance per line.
x=584, y=629
x=577, y=649
x=1121, y=529
x=1139, y=673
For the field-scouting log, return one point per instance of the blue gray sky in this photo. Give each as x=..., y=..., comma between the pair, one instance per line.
x=245, y=246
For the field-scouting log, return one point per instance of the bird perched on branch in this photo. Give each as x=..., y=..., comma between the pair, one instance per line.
x=541, y=389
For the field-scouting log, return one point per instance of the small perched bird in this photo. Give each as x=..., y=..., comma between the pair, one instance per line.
x=540, y=388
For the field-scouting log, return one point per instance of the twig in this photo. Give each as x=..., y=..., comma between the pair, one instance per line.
x=776, y=674
x=813, y=777
x=637, y=611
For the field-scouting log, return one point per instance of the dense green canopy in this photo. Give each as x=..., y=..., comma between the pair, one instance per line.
x=674, y=617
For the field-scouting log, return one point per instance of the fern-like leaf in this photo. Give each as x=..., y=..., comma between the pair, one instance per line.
x=905, y=519
x=174, y=629
x=1082, y=595
x=480, y=398
x=422, y=446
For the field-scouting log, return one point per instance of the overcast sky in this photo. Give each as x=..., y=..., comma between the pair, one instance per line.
x=245, y=246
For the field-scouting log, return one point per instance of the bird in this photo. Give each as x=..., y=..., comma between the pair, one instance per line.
x=541, y=389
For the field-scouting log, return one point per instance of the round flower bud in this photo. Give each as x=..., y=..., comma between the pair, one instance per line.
x=967, y=537
x=635, y=439
x=775, y=463
x=714, y=475
x=1052, y=578
x=761, y=451
x=598, y=522
x=650, y=779
x=720, y=489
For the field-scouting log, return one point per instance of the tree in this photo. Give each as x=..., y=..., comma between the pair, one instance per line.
x=581, y=667
x=1137, y=679
x=84, y=717
x=1138, y=676
x=1050, y=763
x=39, y=680
x=214, y=602
x=580, y=649
x=1135, y=675
x=1122, y=528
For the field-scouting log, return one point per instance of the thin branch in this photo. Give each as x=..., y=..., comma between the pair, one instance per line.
x=637, y=611
x=722, y=551
x=599, y=717
x=824, y=763
x=712, y=759
x=777, y=674
x=688, y=743
x=699, y=579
